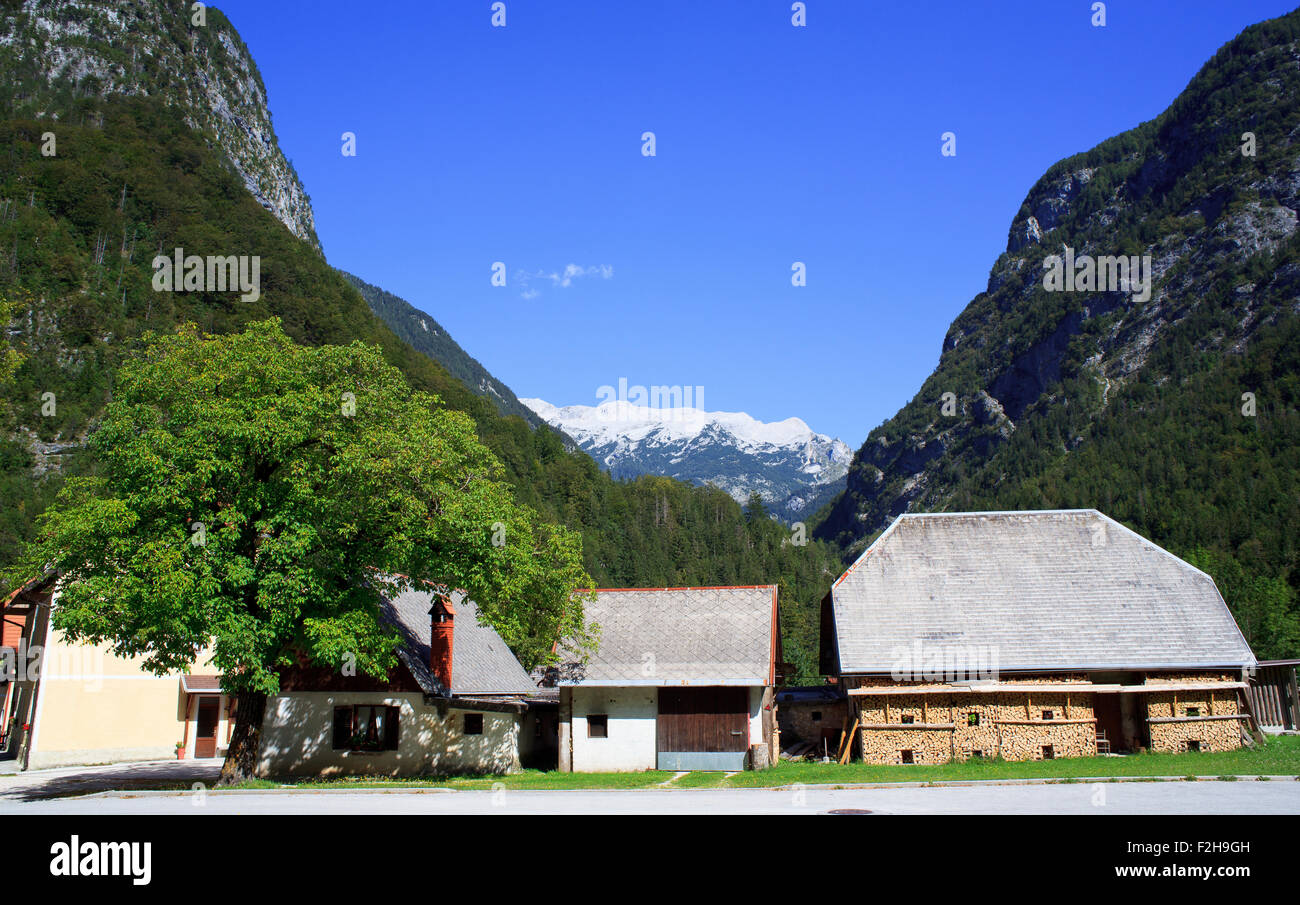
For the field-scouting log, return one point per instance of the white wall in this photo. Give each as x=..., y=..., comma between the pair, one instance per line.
x=632, y=712
x=298, y=730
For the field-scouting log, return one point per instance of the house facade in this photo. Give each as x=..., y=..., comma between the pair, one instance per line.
x=1032, y=635
x=458, y=702
x=63, y=704
x=682, y=679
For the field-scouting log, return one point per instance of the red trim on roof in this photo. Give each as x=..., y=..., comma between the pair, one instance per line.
x=26, y=586
x=776, y=629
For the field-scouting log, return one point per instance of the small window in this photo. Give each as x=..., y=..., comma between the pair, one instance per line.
x=598, y=726
x=1049, y=753
x=977, y=753
x=908, y=718
x=473, y=724
x=1193, y=711
x=817, y=716
x=906, y=756
x=1193, y=746
x=972, y=719
x=1048, y=715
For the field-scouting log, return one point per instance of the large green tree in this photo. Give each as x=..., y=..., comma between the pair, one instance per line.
x=259, y=496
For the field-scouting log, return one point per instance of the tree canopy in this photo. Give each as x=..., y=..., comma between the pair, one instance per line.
x=259, y=495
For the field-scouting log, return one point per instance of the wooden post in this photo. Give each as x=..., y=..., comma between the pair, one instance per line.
x=1295, y=700
x=565, y=764
x=848, y=746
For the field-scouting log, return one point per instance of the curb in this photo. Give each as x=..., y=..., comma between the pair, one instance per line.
x=789, y=787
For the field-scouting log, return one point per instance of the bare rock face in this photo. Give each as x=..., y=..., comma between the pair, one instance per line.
x=1032, y=364
x=1050, y=208
x=56, y=50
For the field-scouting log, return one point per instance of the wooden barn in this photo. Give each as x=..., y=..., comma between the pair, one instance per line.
x=1033, y=635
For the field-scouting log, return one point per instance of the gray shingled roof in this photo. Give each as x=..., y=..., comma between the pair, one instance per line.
x=679, y=636
x=1045, y=590
x=481, y=663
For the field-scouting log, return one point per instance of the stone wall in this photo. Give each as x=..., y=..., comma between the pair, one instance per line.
x=804, y=721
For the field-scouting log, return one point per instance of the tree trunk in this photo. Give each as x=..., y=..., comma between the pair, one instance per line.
x=241, y=756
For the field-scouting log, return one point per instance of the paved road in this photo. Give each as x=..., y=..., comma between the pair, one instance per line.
x=1244, y=797
x=35, y=785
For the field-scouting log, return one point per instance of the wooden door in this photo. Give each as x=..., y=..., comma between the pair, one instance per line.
x=714, y=718
x=205, y=733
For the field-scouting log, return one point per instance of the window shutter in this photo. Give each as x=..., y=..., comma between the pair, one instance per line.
x=390, y=729
x=342, y=728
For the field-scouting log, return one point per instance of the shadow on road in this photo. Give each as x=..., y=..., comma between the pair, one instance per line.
x=44, y=784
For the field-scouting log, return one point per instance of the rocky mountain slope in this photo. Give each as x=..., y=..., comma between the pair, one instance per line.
x=132, y=176
x=426, y=335
x=794, y=469
x=56, y=53
x=1175, y=410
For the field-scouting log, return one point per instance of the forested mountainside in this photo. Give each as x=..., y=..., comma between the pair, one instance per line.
x=1178, y=413
x=132, y=179
x=56, y=52
x=424, y=334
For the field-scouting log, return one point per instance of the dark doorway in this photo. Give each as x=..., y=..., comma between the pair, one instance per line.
x=1110, y=724
x=205, y=733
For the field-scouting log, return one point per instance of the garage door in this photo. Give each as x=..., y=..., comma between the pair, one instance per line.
x=703, y=728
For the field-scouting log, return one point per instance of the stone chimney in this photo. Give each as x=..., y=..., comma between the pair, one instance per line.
x=442, y=640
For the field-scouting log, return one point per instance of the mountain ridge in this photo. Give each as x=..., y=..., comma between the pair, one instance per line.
x=60, y=53
x=1142, y=408
x=793, y=468
x=424, y=334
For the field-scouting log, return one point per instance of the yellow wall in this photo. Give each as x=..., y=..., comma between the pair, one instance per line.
x=95, y=707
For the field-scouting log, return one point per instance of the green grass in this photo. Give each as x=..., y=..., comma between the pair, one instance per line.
x=1280, y=757
x=525, y=779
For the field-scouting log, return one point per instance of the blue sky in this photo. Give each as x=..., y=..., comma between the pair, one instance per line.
x=775, y=144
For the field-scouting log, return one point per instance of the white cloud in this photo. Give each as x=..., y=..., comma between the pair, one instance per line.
x=561, y=279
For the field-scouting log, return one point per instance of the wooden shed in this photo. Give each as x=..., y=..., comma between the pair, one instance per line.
x=1273, y=695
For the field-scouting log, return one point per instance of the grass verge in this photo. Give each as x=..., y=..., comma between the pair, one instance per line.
x=1279, y=757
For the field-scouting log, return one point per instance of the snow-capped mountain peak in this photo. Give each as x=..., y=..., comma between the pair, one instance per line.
x=792, y=466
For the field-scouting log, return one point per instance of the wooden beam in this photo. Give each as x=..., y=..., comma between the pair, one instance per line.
x=848, y=747
x=1071, y=688
x=904, y=726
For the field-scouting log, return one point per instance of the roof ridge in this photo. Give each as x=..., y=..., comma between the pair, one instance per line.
x=1001, y=512
x=714, y=587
